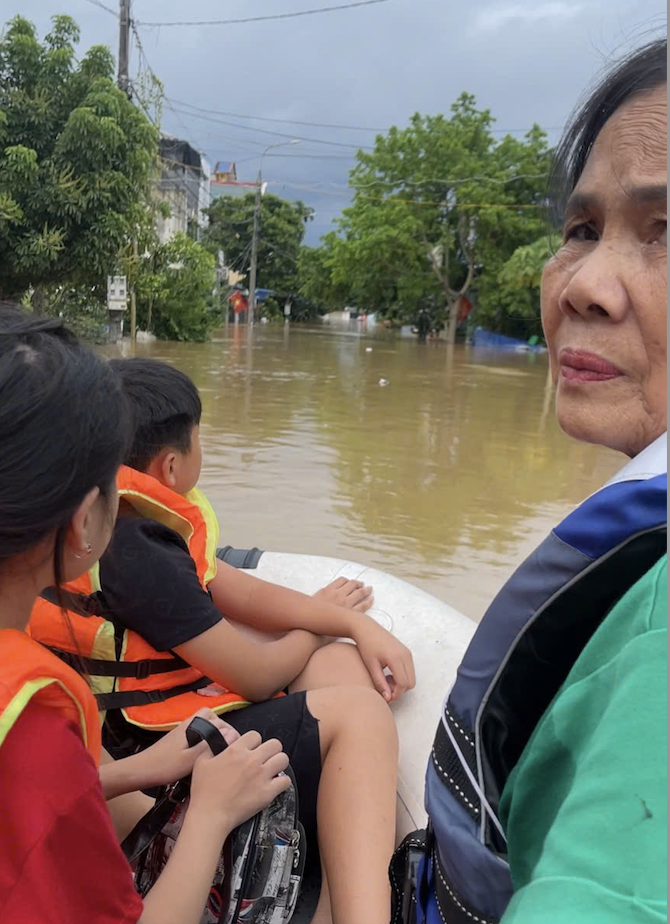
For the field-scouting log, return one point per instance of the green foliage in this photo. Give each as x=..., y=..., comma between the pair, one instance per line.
x=82, y=308
x=176, y=283
x=75, y=160
x=318, y=291
x=518, y=289
x=438, y=208
x=282, y=232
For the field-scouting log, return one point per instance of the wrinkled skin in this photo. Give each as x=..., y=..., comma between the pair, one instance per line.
x=605, y=291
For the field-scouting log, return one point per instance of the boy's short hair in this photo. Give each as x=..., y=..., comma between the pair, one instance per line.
x=165, y=405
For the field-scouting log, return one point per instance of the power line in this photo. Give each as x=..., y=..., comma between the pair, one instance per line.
x=275, y=16
x=237, y=115
x=159, y=83
x=102, y=6
x=417, y=202
x=264, y=131
x=338, y=127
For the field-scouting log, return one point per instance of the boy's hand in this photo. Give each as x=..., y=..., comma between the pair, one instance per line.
x=380, y=651
x=352, y=595
x=171, y=759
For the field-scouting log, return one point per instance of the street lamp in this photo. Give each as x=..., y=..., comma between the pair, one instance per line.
x=253, y=274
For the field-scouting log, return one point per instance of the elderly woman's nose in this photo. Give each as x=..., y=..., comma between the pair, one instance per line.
x=598, y=286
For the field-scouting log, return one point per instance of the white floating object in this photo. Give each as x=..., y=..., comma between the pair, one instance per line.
x=368, y=349
x=384, y=382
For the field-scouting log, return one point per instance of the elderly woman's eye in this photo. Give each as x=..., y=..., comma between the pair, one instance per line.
x=662, y=237
x=581, y=232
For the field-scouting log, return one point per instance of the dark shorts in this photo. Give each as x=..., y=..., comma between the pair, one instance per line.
x=290, y=720
x=287, y=719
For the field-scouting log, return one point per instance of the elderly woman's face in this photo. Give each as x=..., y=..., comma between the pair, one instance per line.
x=604, y=295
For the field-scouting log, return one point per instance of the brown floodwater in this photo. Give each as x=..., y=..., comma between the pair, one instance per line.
x=446, y=476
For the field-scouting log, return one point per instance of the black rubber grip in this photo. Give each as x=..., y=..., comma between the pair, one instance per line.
x=202, y=730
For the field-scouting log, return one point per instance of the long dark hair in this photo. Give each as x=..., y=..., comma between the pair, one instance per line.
x=640, y=72
x=64, y=429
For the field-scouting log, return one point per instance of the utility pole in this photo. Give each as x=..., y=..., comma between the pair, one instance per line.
x=124, y=85
x=124, y=45
x=133, y=298
x=253, y=274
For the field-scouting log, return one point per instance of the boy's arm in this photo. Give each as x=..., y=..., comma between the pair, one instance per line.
x=255, y=670
x=272, y=608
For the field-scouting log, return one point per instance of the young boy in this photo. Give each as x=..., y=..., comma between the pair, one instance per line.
x=154, y=584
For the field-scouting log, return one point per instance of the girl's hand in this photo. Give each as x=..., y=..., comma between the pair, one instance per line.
x=171, y=759
x=381, y=651
x=240, y=782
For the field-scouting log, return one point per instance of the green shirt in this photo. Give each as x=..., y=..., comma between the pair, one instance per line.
x=585, y=809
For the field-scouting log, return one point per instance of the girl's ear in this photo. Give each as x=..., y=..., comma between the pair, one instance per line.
x=79, y=536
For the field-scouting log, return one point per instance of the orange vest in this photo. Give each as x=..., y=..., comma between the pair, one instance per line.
x=155, y=690
x=30, y=673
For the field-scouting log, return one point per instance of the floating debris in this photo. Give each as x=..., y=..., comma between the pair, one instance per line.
x=368, y=349
x=384, y=382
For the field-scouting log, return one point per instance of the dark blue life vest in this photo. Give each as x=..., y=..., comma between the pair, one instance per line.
x=520, y=656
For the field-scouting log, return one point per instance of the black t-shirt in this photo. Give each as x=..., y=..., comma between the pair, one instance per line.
x=150, y=585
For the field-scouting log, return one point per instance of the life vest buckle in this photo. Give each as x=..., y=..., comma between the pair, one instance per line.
x=155, y=696
x=143, y=670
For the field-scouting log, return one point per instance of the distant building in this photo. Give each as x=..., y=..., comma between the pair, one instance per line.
x=225, y=172
x=226, y=183
x=185, y=185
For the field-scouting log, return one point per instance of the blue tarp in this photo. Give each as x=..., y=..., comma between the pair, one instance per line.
x=262, y=294
x=485, y=338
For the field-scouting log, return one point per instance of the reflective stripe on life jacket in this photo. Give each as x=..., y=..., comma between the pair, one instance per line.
x=30, y=673
x=522, y=653
x=155, y=690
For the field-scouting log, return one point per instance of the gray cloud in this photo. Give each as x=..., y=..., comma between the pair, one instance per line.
x=527, y=60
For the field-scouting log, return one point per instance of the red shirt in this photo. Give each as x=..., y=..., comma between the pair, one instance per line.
x=60, y=860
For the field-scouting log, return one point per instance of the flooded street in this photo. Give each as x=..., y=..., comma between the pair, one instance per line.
x=446, y=476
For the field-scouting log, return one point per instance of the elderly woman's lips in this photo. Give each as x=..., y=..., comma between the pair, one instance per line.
x=579, y=366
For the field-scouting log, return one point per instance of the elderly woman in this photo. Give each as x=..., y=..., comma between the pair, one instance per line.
x=546, y=788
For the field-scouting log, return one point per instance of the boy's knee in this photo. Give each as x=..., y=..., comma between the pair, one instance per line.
x=353, y=709
x=341, y=655
x=337, y=664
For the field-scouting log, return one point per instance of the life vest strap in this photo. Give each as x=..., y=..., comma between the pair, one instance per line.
x=107, y=701
x=136, y=670
x=81, y=604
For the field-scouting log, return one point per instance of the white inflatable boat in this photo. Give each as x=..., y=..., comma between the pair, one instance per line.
x=436, y=634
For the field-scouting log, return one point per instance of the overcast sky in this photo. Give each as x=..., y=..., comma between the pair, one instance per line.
x=372, y=66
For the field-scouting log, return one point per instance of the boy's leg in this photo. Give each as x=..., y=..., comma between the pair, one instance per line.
x=336, y=665
x=357, y=801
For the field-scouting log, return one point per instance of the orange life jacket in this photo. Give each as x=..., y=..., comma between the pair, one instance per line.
x=30, y=673
x=155, y=690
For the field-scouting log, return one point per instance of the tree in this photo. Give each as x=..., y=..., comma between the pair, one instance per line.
x=75, y=161
x=282, y=232
x=315, y=274
x=174, y=287
x=519, y=281
x=525, y=223
x=436, y=207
